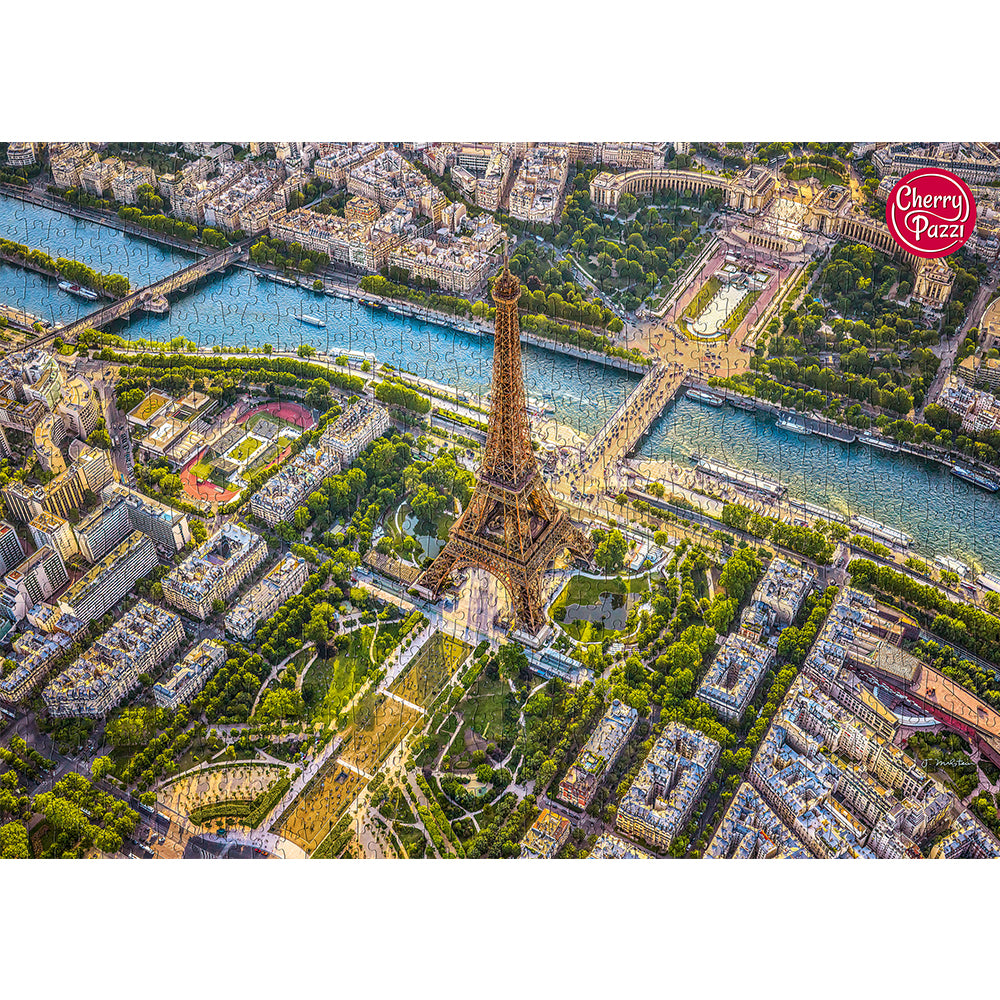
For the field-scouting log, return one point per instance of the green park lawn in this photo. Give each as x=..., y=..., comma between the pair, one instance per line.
x=330, y=684
x=586, y=592
x=430, y=668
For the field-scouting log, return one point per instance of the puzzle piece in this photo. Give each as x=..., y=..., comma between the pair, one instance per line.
x=357, y=717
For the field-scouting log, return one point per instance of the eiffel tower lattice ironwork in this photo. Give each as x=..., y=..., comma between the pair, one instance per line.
x=511, y=527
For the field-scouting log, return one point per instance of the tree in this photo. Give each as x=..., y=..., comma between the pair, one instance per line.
x=170, y=485
x=100, y=438
x=281, y=703
x=218, y=606
x=512, y=661
x=610, y=553
x=306, y=351
x=14, y=841
x=101, y=767
x=199, y=533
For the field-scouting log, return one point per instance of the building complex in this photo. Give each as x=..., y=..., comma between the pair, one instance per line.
x=672, y=779
x=51, y=635
x=355, y=429
x=109, y=669
x=215, y=570
x=190, y=675
x=284, y=580
x=546, y=836
x=598, y=754
x=112, y=578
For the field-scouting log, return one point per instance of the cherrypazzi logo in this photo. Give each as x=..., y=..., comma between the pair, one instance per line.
x=931, y=212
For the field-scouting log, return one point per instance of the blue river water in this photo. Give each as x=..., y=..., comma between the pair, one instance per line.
x=100, y=247
x=943, y=513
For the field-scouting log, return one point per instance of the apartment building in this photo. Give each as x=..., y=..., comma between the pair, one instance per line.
x=465, y=181
x=48, y=435
x=974, y=162
x=23, y=502
x=387, y=179
x=79, y=408
x=537, y=191
x=784, y=588
x=278, y=498
x=54, y=531
x=608, y=847
x=167, y=527
x=283, y=581
x=354, y=430
x=51, y=635
x=112, y=579
x=359, y=209
x=490, y=187
x=11, y=553
x=68, y=164
x=96, y=178
x=455, y=262
x=344, y=241
x=41, y=377
x=546, y=836
x=598, y=754
x=232, y=208
x=215, y=570
x=109, y=669
x=190, y=675
x=751, y=830
x=22, y=154
x=35, y=580
x=672, y=779
x=125, y=186
x=92, y=471
x=735, y=675
x=335, y=165
x=103, y=529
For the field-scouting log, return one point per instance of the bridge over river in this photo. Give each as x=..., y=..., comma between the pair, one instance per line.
x=142, y=296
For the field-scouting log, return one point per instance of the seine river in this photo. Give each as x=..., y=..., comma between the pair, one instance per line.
x=944, y=514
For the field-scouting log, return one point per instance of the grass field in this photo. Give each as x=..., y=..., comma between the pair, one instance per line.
x=376, y=730
x=585, y=592
x=252, y=421
x=825, y=176
x=702, y=299
x=484, y=707
x=330, y=684
x=430, y=668
x=482, y=716
x=244, y=449
x=202, y=469
x=312, y=815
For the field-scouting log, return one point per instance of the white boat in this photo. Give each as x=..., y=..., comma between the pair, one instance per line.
x=789, y=423
x=700, y=396
x=876, y=442
x=78, y=290
x=311, y=320
x=540, y=405
x=975, y=477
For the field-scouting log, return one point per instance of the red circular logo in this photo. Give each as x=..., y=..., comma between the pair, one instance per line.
x=931, y=212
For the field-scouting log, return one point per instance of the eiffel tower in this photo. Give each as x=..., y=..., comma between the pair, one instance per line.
x=511, y=527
